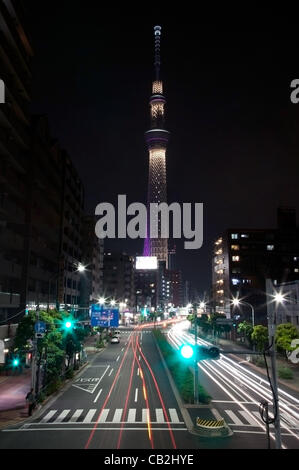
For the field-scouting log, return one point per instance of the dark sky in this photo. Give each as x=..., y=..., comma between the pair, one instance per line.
x=234, y=131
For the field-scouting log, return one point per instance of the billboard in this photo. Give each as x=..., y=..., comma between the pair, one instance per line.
x=104, y=317
x=146, y=262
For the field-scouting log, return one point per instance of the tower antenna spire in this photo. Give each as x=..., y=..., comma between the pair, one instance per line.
x=157, y=33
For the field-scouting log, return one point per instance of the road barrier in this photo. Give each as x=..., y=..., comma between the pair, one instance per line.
x=212, y=428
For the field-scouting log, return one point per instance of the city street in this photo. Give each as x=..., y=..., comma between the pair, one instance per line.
x=237, y=392
x=122, y=399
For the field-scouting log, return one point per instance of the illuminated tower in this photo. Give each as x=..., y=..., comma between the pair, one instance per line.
x=156, y=140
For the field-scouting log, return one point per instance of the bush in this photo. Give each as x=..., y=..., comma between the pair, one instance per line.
x=100, y=344
x=258, y=361
x=69, y=373
x=180, y=371
x=285, y=373
x=41, y=397
x=54, y=386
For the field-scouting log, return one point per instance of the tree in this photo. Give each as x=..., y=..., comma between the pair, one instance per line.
x=259, y=337
x=245, y=328
x=285, y=333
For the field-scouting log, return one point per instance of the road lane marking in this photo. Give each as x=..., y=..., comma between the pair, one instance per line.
x=104, y=415
x=97, y=395
x=136, y=395
x=144, y=415
x=62, y=415
x=75, y=416
x=117, y=358
x=138, y=371
x=131, y=415
x=122, y=349
x=173, y=415
x=117, y=415
x=233, y=417
x=78, y=428
x=248, y=418
x=89, y=416
x=159, y=416
x=48, y=416
x=110, y=372
x=139, y=357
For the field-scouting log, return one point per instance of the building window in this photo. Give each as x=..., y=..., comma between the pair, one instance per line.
x=246, y=281
x=236, y=258
x=235, y=281
x=270, y=247
x=234, y=236
x=296, y=270
x=296, y=258
x=244, y=235
x=235, y=247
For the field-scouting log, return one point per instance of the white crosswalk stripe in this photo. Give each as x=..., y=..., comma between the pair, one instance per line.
x=248, y=418
x=115, y=416
x=233, y=417
x=89, y=416
x=76, y=415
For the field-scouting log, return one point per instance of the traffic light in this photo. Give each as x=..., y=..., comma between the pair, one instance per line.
x=187, y=351
x=15, y=362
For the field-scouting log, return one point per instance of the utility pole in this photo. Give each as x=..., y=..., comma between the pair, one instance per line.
x=195, y=358
x=272, y=352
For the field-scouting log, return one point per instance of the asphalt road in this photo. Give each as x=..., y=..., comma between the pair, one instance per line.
x=237, y=391
x=121, y=400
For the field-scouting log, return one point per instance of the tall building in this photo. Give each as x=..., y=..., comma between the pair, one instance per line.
x=71, y=243
x=156, y=140
x=92, y=259
x=244, y=258
x=118, y=278
x=15, y=70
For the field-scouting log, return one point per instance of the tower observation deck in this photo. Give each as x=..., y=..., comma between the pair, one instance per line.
x=156, y=139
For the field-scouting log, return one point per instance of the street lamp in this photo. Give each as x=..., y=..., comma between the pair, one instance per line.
x=101, y=301
x=236, y=302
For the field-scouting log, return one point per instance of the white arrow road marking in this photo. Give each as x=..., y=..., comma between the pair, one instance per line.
x=98, y=395
x=88, y=387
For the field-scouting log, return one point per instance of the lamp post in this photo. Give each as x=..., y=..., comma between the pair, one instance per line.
x=195, y=357
x=237, y=302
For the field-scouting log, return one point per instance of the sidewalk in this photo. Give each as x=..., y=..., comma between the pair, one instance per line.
x=14, y=388
x=292, y=384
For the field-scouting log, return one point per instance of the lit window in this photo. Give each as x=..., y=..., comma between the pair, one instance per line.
x=235, y=281
x=246, y=281
x=235, y=247
x=296, y=258
x=270, y=247
x=244, y=235
x=296, y=270
x=234, y=236
x=236, y=258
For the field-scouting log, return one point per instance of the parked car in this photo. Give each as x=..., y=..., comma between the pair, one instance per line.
x=114, y=340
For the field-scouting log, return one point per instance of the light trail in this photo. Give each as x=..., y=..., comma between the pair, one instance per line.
x=225, y=368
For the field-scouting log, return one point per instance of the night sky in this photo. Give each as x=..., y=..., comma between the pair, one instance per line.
x=234, y=132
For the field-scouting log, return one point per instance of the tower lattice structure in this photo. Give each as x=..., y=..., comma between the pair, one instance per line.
x=156, y=139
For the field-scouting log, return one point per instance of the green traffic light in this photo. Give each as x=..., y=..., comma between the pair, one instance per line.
x=15, y=362
x=187, y=351
x=68, y=324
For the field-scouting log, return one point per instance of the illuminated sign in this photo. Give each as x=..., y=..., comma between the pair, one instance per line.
x=146, y=262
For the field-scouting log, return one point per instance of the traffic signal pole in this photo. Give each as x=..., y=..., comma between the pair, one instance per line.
x=195, y=361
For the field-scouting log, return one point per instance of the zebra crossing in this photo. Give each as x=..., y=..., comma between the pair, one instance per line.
x=108, y=416
x=244, y=418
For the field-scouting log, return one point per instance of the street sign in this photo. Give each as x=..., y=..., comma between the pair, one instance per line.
x=104, y=317
x=40, y=327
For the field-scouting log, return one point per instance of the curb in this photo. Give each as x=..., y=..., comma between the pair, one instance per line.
x=47, y=402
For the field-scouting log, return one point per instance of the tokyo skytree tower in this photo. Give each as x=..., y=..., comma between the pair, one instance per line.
x=156, y=140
